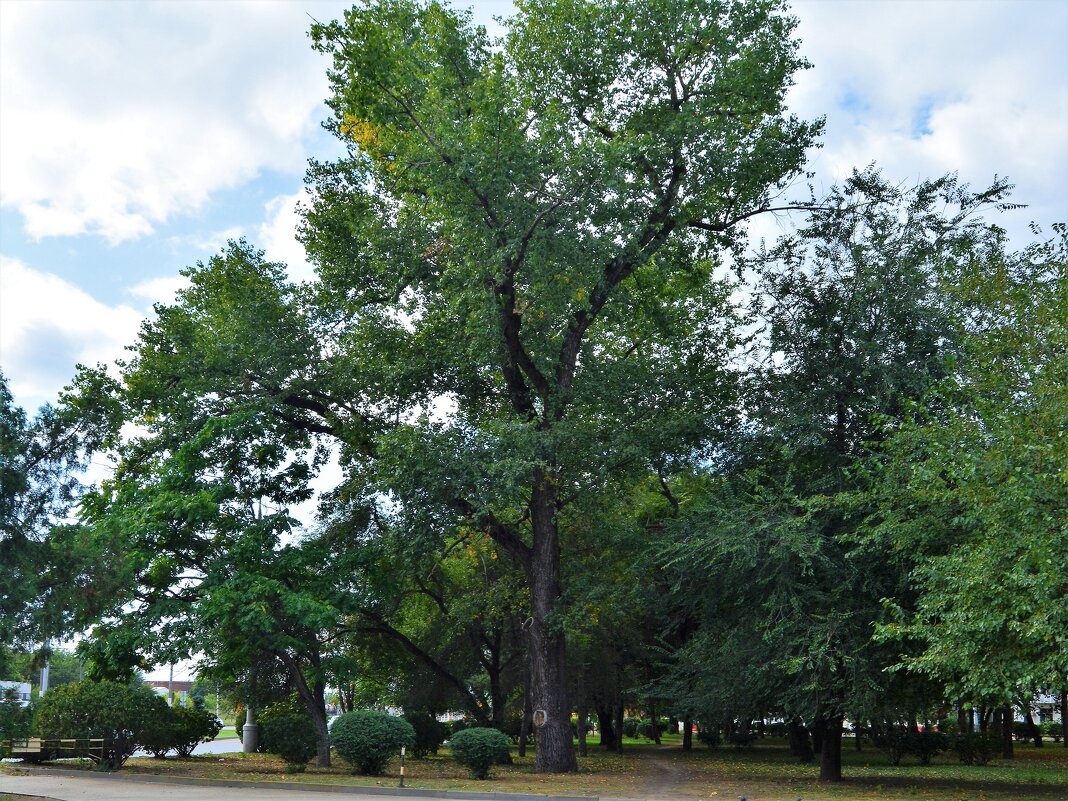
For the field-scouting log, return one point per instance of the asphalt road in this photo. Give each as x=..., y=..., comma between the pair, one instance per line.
x=102, y=788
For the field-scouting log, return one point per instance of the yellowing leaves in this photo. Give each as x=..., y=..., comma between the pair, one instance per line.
x=368, y=136
x=362, y=132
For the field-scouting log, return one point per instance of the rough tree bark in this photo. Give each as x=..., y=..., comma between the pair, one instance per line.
x=314, y=697
x=798, y=739
x=608, y=730
x=524, y=724
x=1032, y=730
x=552, y=713
x=1006, y=732
x=582, y=711
x=831, y=752
x=818, y=729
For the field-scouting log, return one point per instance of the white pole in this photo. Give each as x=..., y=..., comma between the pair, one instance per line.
x=44, y=673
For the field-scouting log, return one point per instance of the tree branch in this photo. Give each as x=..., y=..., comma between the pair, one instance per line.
x=501, y=534
x=381, y=626
x=726, y=225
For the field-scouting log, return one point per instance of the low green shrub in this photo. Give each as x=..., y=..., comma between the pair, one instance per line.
x=161, y=737
x=895, y=743
x=193, y=727
x=479, y=749
x=650, y=730
x=1052, y=730
x=367, y=740
x=927, y=743
x=290, y=706
x=741, y=739
x=976, y=748
x=291, y=736
x=126, y=716
x=15, y=719
x=921, y=744
x=430, y=733
x=709, y=735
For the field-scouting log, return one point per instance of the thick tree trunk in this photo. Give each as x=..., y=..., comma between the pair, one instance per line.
x=653, y=721
x=604, y=723
x=583, y=719
x=1032, y=730
x=798, y=738
x=687, y=734
x=322, y=740
x=314, y=698
x=494, y=671
x=831, y=753
x=524, y=723
x=583, y=714
x=818, y=729
x=1006, y=733
x=552, y=713
x=962, y=718
x=619, y=723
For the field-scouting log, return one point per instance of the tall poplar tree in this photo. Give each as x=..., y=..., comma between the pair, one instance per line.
x=524, y=234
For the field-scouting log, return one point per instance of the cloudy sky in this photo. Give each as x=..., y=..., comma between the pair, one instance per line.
x=135, y=138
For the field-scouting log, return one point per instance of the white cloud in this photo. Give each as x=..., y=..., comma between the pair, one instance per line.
x=934, y=87
x=277, y=235
x=159, y=290
x=47, y=326
x=116, y=116
x=211, y=242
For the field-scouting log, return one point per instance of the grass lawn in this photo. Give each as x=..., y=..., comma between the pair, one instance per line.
x=765, y=772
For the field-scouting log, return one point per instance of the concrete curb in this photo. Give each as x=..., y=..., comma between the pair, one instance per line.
x=352, y=789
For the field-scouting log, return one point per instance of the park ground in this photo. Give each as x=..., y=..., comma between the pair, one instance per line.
x=764, y=772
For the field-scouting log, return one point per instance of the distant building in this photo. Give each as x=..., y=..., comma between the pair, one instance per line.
x=180, y=688
x=21, y=690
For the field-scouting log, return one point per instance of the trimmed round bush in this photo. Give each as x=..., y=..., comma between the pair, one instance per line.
x=126, y=716
x=277, y=709
x=479, y=749
x=193, y=727
x=367, y=740
x=975, y=748
x=161, y=737
x=291, y=737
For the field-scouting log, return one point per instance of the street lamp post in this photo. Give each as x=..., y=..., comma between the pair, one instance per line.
x=250, y=732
